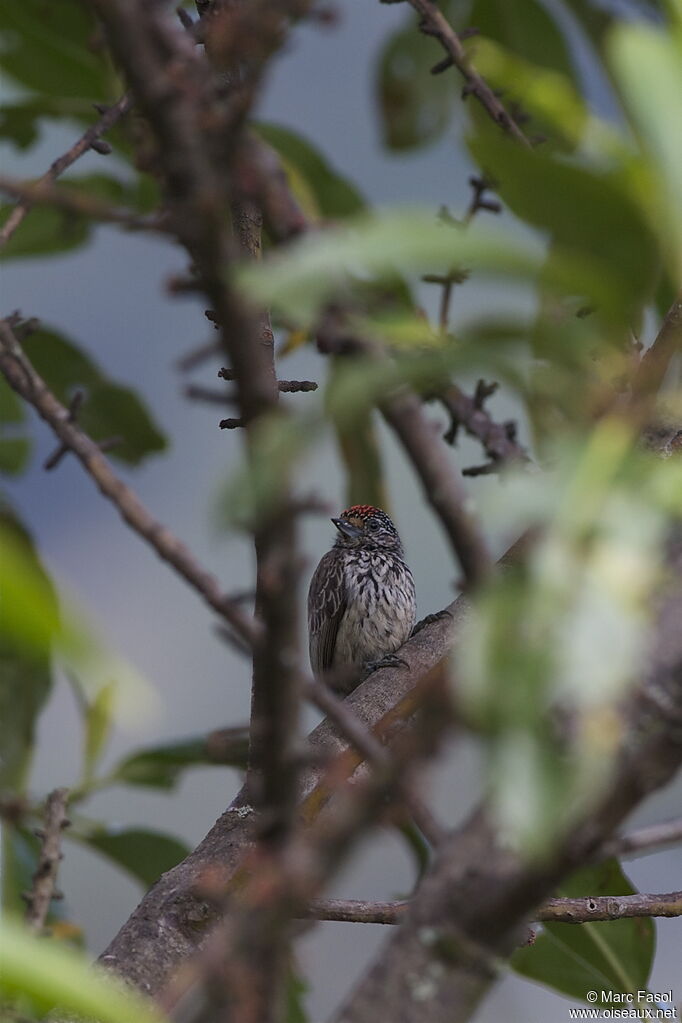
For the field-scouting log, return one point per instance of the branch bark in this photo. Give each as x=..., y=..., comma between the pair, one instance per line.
x=22, y=377
x=566, y=911
x=174, y=918
x=43, y=888
x=436, y=24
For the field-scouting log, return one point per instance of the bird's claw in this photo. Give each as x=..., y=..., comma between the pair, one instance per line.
x=429, y=619
x=388, y=661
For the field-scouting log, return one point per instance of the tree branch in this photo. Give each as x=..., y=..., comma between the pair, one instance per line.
x=22, y=377
x=434, y=23
x=566, y=911
x=81, y=146
x=43, y=889
x=174, y=917
x=644, y=840
x=74, y=202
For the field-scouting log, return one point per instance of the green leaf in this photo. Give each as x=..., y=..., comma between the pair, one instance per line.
x=589, y=214
x=143, y=853
x=15, y=448
x=415, y=106
x=109, y=410
x=28, y=624
x=318, y=267
x=14, y=454
x=46, y=231
x=20, y=122
x=526, y=28
x=49, y=48
x=161, y=766
x=335, y=196
x=614, y=955
x=54, y=977
x=297, y=988
x=98, y=721
x=647, y=65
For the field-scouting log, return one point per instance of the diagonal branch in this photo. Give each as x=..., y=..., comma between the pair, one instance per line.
x=433, y=22
x=81, y=146
x=22, y=377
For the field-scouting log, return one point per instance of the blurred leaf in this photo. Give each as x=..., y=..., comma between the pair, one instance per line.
x=614, y=955
x=50, y=48
x=108, y=410
x=255, y=490
x=415, y=106
x=161, y=766
x=48, y=230
x=12, y=409
x=55, y=977
x=19, y=849
x=648, y=67
x=28, y=624
x=318, y=267
x=547, y=96
x=568, y=628
x=31, y=628
x=546, y=192
x=334, y=195
x=143, y=853
x=15, y=448
x=45, y=232
x=361, y=456
x=14, y=454
x=297, y=988
x=526, y=28
x=98, y=722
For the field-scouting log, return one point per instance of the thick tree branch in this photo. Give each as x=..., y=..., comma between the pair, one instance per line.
x=22, y=377
x=81, y=146
x=43, y=888
x=174, y=918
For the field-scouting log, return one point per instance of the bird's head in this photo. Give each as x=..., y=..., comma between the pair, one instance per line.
x=365, y=526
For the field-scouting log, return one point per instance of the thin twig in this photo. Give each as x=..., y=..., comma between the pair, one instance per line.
x=434, y=23
x=646, y=840
x=497, y=439
x=567, y=911
x=81, y=146
x=73, y=202
x=43, y=889
x=609, y=907
x=22, y=377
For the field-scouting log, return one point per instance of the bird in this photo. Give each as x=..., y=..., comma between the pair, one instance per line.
x=361, y=601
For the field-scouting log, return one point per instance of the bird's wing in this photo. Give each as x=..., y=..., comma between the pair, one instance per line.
x=326, y=606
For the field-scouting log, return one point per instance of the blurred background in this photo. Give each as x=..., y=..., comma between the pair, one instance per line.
x=110, y=296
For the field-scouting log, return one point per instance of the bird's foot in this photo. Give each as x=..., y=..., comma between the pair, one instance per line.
x=429, y=619
x=387, y=661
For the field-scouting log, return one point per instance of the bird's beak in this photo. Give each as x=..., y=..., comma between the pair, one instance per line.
x=347, y=528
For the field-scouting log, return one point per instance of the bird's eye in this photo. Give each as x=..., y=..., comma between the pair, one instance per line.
x=372, y=524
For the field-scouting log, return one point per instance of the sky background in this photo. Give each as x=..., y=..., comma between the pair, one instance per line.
x=110, y=298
